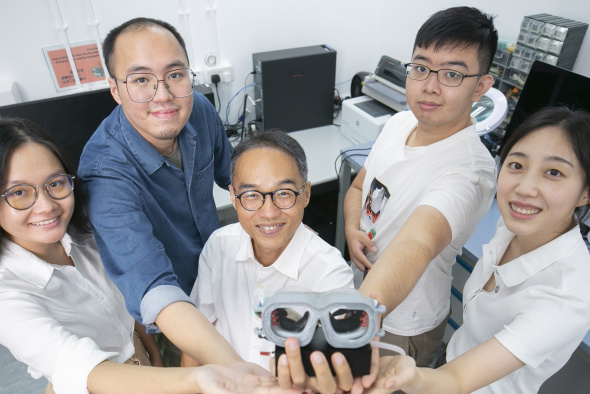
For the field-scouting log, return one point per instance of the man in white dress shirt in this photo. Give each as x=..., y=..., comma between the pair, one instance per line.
x=268, y=249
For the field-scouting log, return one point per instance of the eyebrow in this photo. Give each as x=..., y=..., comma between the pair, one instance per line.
x=139, y=68
x=458, y=63
x=20, y=182
x=547, y=158
x=251, y=186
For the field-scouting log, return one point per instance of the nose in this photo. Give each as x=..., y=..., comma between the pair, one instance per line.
x=44, y=201
x=527, y=185
x=268, y=208
x=162, y=92
x=431, y=84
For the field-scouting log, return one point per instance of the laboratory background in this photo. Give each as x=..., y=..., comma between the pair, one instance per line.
x=221, y=38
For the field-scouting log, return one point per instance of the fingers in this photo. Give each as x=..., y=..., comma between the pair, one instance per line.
x=343, y=372
x=283, y=373
x=295, y=364
x=325, y=381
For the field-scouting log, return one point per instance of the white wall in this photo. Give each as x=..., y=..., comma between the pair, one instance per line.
x=361, y=31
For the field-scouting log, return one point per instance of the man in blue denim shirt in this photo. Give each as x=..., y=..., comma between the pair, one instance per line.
x=149, y=171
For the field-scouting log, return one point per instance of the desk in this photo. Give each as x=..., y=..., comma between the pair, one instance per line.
x=322, y=145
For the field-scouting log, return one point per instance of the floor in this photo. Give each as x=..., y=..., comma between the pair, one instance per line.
x=14, y=378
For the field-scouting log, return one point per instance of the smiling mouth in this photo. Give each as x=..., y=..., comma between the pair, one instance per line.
x=524, y=211
x=269, y=228
x=43, y=223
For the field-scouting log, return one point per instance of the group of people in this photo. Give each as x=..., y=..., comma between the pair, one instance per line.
x=93, y=263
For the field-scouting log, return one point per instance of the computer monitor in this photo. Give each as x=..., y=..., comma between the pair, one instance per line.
x=548, y=85
x=71, y=119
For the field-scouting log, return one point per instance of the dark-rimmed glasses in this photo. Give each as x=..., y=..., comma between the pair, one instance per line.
x=447, y=77
x=142, y=87
x=253, y=200
x=24, y=196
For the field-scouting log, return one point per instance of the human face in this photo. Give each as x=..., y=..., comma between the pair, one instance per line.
x=45, y=223
x=153, y=50
x=270, y=228
x=442, y=110
x=540, y=184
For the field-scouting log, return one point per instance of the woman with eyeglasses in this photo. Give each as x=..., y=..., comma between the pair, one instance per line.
x=61, y=315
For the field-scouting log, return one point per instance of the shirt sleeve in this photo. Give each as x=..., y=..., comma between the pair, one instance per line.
x=462, y=198
x=132, y=256
x=202, y=293
x=549, y=320
x=41, y=342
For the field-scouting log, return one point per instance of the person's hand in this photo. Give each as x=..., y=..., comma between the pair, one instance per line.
x=395, y=372
x=291, y=373
x=357, y=242
x=252, y=369
x=219, y=379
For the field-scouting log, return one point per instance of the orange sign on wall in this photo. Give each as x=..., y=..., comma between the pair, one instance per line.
x=87, y=60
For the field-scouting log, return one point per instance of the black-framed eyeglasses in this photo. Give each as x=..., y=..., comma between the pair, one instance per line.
x=142, y=87
x=24, y=196
x=447, y=77
x=253, y=200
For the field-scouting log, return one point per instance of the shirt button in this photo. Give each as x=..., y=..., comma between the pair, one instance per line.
x=497, y=289
x=260, y=286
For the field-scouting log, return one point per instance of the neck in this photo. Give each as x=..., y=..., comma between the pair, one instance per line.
x=52, y=253
x=424, y=135
x=166, y=147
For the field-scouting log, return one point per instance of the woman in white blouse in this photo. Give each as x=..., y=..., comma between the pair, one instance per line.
x=61, y=315
x=526, y=305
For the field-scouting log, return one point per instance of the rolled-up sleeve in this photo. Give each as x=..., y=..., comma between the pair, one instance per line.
x=133, y=257
x=41, y=342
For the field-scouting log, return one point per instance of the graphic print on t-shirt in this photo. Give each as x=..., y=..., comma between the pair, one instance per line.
x=374, y=206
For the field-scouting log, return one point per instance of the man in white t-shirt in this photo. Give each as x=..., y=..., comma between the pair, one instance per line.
x=433, y=180
x=268, y=249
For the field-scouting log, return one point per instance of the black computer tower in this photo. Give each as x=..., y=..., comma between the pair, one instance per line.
x=295, y=87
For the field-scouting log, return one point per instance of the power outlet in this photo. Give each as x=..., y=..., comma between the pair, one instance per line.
x=224, y=71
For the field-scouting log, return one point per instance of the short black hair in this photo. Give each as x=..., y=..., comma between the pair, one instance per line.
x=272, y=139
x=16, y=132
x=575, y=124
x=461, y=26
x=136, y=24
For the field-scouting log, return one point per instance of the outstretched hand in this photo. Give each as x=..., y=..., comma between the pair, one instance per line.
x=395, y=372
x=219, y=379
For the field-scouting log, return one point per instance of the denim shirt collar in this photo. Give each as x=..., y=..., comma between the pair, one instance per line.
x=147, y=156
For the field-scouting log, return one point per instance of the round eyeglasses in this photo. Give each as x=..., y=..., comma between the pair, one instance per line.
x=253, y=200
x=447, y=77
x=24, y=196
x=142, y=87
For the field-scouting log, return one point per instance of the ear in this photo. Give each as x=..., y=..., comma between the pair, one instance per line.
x=232, y=196
x=307, y=193
x=584, y=199
x=114, y=89
x=484, y=84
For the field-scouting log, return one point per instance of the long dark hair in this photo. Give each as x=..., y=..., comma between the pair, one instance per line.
x=14, y=133
x=574, y=124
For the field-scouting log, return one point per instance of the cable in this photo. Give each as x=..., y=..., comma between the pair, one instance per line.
x=352, y=155
x=229, y=102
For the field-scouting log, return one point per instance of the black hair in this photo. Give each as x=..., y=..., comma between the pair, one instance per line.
x=461, y=26
x=136, y=24
x=575, y=126
x=272, y=139
x=14, y=133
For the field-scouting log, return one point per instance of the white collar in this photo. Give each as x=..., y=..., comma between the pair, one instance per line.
x=289, y=261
